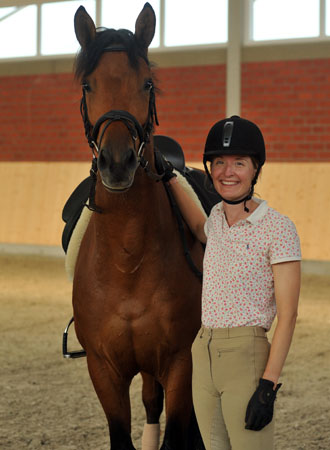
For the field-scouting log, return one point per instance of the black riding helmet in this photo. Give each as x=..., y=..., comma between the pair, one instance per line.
x=235, y=136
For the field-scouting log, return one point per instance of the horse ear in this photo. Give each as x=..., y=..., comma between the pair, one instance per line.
x=145, y=26
x=84, y=27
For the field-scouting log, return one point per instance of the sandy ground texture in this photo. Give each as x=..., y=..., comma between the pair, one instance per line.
x=49, y=402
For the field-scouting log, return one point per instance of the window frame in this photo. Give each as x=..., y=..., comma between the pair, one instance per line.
x=248, y=29
x=161, y=49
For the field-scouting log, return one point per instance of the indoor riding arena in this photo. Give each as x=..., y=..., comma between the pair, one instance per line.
x=276, y=75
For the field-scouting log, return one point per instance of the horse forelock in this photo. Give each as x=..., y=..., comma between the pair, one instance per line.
x=87, y=59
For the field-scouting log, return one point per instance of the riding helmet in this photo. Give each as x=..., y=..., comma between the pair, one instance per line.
x=235, y=136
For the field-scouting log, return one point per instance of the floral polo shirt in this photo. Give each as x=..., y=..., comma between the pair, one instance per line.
x=238, y=284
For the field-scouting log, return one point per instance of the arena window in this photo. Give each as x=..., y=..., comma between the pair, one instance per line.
x=287, y=20
x=180, y=24
x=327, y=18
x=124, y=16
x=64, y=42
x=189, y=23
x=18, y=29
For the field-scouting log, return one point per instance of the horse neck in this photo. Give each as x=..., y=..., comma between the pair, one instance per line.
x=141, y=213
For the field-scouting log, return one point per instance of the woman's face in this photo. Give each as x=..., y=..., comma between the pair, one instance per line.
x=232, y=176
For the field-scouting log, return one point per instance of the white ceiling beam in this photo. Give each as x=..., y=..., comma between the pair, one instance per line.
x=234, y=59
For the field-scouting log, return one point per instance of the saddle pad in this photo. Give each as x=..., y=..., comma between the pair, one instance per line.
x=75, y=241
x=83, y=221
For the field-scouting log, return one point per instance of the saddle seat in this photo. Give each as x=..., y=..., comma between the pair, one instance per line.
x=172, y=151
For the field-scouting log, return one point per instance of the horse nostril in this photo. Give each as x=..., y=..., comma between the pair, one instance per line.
x=124, y=159
x=103, y=160
x=131, y=159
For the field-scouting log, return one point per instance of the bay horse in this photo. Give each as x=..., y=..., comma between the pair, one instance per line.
x=136, y=302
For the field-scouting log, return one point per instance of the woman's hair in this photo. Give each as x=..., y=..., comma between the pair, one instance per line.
x=255, y=162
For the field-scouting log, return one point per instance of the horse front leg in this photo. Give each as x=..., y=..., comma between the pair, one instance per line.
x=153, y=399
x=113, y=393
x=178, y=401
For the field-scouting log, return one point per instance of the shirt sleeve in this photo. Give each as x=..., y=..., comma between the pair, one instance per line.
x=285, y=244
x=208, y=222
x=206, y=226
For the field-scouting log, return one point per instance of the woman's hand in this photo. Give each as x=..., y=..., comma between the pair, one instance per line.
x=260, y=408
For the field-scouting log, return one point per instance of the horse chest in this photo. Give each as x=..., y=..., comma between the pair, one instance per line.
x=127, y=261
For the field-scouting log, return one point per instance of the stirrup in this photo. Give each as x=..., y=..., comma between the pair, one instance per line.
x=66, y=354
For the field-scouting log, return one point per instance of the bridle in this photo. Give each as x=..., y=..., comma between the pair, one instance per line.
x=136, y=130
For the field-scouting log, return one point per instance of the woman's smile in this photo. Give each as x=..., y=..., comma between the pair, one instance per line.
x=229, y=183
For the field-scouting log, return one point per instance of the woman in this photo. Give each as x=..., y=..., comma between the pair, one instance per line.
x=251, y=273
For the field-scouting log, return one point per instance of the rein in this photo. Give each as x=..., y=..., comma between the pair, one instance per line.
x=179, y=220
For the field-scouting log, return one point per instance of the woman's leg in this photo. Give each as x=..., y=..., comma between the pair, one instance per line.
x=239, y=363
x=207, y=401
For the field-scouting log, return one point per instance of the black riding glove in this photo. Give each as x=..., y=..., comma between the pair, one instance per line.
x=260, y=408
x=168, y=170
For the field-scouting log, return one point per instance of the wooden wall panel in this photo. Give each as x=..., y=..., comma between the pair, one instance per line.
x=33, y=195
x=302, y=192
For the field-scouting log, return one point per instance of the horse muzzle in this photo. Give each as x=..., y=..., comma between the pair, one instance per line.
x=117, y=168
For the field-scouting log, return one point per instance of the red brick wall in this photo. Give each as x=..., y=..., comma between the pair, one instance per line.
x=40, y=119
x=192, y=99
x=290, y=100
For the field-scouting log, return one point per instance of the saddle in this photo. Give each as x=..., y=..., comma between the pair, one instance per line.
x=165, y=147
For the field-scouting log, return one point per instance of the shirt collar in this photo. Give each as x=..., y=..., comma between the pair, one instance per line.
x=257, y=214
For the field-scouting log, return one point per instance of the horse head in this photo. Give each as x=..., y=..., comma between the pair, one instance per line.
x=118, y=102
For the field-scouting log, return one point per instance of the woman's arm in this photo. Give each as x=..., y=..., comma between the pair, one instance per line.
x=287, y=288
x=190, y=211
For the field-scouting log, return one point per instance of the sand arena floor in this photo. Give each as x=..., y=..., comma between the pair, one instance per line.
x=49, y=402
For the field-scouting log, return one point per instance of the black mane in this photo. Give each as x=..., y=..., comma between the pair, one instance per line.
x=87, y=59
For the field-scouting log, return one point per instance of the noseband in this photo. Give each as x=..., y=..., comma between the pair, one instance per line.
x=133, y=125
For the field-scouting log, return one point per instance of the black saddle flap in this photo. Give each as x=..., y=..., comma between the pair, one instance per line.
x=73, y=208
x=77, y=199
